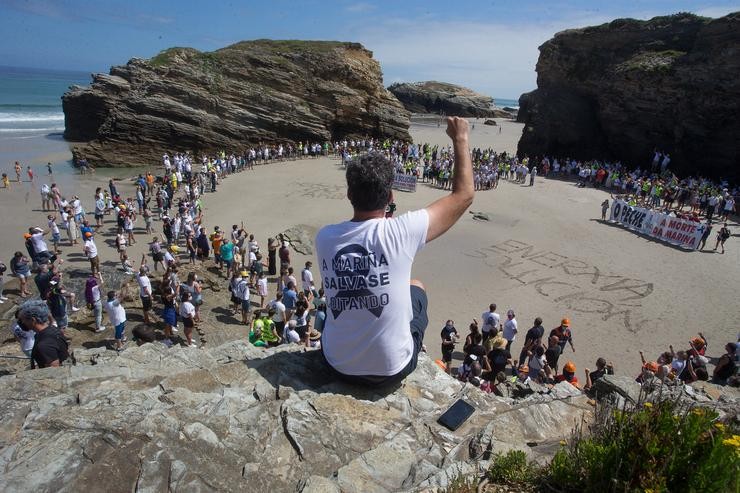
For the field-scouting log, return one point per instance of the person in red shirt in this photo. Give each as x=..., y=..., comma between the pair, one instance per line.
x=564, y=335
x=569, y=375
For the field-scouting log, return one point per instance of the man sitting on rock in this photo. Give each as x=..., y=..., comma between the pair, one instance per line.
x=376, y=314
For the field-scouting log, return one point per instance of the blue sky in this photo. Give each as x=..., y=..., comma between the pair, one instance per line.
x=489, y=46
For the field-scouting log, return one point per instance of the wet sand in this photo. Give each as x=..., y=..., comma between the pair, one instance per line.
x=544, y=253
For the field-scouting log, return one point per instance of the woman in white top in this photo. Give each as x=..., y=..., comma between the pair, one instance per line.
x=187, y=312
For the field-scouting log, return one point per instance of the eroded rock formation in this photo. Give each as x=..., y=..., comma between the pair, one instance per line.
x=619, y=90
x=239, y=418
x=249, y=92
x=448, y=99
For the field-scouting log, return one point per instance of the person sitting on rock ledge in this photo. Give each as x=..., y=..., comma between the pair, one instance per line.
x=376, y=314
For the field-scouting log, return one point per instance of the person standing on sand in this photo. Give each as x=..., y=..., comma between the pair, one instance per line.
x=490, y=322
x=564, y=335
x=604, y=209
x=705, y=235
x=17, y=172
x=377, y=314
x=510, y=329
x=722, y=235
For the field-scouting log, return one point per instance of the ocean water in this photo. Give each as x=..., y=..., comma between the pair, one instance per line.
x=501, y=102
x=31, y=100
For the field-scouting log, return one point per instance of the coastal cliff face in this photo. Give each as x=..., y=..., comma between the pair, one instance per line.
x=247, y=93
x=619, y=90
x=449, y=99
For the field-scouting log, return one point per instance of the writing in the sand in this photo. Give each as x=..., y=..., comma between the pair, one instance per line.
x=320, y=190
x=574, y=284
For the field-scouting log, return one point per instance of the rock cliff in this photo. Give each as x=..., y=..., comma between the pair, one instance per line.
x=619, y=90
x=233, y=417
x=449, y=99
x=249, y=92
x=238, y=418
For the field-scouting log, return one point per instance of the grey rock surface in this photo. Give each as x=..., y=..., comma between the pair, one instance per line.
x=449, y=99
x=239, y=418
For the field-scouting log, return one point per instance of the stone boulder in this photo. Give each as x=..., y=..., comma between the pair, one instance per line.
x=239, y=418
x=250, y=92
x=619, y=90
x=442, y=97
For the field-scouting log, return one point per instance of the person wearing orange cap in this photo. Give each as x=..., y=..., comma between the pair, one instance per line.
x=649, y=370
x=569, y=375
x=564, y=334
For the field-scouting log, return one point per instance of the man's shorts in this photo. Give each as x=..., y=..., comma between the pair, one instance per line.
x=246, y=305
x=119, y=331
x=446, y=354
x=62, y=322
x=417, y=327
x=146, y=303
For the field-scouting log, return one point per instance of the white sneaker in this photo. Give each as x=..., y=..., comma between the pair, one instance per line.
x=101, y=329
x=75, y=309
x=3, y=298
x=193, y=345
x=1, y=301
x=174, y=329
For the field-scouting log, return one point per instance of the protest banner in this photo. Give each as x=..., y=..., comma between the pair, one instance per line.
x=405, y=183
x=658, y=225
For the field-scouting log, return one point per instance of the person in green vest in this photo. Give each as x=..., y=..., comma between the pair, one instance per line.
x=255, y=335
x=269, y=334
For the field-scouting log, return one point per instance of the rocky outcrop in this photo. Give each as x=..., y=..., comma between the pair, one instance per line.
x=250, y=92
x=448, y=99
x=619, y=90
x=239, y=418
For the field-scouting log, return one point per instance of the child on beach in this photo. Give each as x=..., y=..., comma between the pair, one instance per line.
x=604, y=208
x=6, y=181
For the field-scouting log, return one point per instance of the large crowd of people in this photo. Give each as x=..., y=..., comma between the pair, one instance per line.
x=488, y=362
x=264, y=293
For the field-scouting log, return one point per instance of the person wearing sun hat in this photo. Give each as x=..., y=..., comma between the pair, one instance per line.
x=564, y=334
x=498, y=356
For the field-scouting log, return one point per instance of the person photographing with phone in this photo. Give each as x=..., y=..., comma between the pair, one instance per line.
x=376, y=314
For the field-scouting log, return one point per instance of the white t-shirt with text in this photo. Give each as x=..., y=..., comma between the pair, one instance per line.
x=365, y=267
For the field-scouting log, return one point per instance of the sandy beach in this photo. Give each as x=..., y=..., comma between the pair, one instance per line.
x=543, y=253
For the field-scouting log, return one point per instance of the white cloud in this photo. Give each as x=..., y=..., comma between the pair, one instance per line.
x=492, y=58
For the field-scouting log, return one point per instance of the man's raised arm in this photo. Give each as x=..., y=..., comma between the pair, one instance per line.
x=445, y=212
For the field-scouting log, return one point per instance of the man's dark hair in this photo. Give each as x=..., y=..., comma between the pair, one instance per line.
x=369, y=180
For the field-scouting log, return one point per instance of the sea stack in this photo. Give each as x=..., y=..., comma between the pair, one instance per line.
x=620, y=90
x=247, y=93
x=445, y=98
